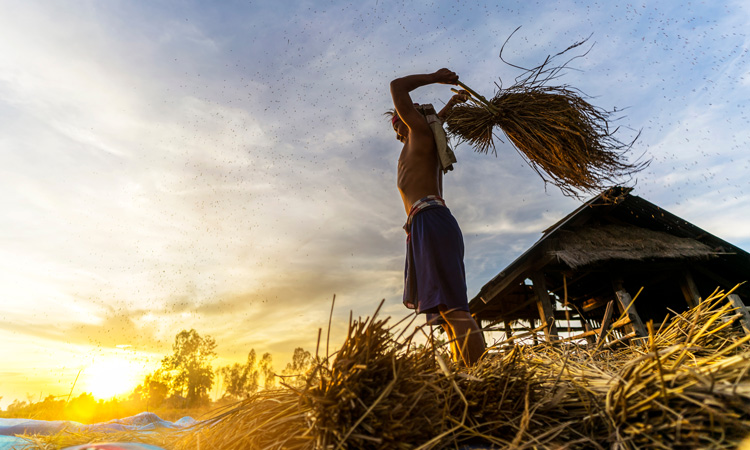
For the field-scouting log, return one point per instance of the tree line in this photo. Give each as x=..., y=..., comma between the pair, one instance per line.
x=186, y=377
x=183, y=380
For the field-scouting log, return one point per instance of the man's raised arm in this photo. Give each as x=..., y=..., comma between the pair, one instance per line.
x=401, y=87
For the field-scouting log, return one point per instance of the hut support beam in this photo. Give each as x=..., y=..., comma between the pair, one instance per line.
x=605, y=322
x=587, y=328
x=689, y=289
x=624, y=300
x=517, y=276
x=546, y=313
x=508, y=329
x=741, y=309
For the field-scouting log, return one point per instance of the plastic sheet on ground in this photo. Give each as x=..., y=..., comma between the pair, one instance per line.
x=10, y=429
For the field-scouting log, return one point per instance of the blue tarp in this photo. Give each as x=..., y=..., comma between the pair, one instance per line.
x=145, y=421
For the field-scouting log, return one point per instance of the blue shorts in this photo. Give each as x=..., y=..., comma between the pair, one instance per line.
x=434, y=275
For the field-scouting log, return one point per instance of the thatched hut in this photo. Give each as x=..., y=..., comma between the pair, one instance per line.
x=585, y=270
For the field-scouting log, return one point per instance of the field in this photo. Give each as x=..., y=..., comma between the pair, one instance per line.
x=686, y=386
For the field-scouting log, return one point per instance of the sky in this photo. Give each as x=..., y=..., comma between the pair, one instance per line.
x=226, y=166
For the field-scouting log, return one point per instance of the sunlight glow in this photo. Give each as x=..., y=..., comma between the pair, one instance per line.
x=109, y=378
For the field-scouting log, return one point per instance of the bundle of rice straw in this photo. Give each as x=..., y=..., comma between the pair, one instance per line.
x=564, y=138
x=686, y=387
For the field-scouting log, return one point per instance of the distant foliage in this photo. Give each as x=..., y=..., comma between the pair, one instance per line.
x=84, y=408
x=241, y=380
x=235, y=379
x=295, y=371
x=154, y=390
x=265, y=370
x=188, y=370
x=182, y=383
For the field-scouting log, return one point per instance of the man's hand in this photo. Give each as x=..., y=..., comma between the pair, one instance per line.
x=461, y=96
x=445, y=76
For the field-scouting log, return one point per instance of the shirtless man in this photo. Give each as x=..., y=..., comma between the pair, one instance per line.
x=435, y=279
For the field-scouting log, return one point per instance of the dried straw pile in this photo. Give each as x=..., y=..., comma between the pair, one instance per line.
x=687, y=387
x=564, y=138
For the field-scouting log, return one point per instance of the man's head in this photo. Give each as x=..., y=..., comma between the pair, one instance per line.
x=401, y=129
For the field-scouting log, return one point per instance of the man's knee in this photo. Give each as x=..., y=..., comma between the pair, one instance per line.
x=457, y=317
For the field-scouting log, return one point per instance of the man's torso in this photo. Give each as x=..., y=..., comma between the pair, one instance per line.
x=419, y=173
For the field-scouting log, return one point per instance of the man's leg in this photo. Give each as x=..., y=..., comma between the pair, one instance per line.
x=452, y=341
x=467, y=335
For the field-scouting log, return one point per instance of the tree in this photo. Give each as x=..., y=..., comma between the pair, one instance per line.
x=235, y=380
x=154, y=389
x=301, y=361
x=16, y=407
x=189, y=368
x=251, y=366
x=265, y=368
x=241, y=380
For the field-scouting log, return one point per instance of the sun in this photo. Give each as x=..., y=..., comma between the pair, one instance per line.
x=109, y=378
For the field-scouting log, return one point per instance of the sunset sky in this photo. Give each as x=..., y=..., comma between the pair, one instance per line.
x=226, y=166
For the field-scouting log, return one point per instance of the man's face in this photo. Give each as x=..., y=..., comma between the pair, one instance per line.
x=402, y=131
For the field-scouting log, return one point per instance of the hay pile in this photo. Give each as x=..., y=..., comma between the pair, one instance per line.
x=564, y=138
x=687, y=386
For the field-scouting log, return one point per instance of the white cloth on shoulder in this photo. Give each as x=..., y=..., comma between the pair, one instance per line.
x=445, y=154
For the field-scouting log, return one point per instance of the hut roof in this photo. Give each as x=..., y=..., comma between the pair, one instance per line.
x=614, y=228
x=589, y=245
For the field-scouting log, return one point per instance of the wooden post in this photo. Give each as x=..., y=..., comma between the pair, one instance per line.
x=605, y=322
x=508, y=329
x=741, y=309
x=565, y=304
x=591, y=340
x=546, y=313
x=689, y=289
x=624, y=299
